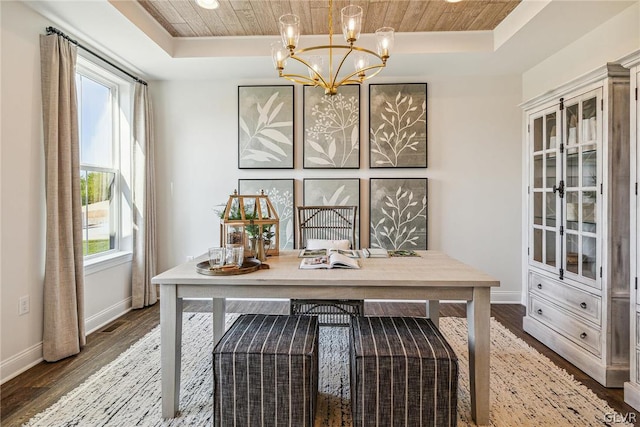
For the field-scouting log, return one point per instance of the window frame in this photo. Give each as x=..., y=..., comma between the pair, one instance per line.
x=121, y=91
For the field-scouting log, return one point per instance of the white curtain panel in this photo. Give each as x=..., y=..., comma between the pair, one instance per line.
x=64, y=333
x=144, y=201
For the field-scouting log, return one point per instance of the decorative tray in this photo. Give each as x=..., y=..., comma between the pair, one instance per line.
x=249, y=265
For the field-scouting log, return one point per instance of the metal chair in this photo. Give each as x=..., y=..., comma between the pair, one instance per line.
x=327, y=223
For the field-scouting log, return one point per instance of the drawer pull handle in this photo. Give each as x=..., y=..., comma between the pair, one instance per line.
x=583, y=335
x=539, y=311
x=539, y=285
x=583, y=305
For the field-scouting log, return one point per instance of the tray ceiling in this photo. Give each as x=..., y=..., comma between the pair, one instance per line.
x=183, y=18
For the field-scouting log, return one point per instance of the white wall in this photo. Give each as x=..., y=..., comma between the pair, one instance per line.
x=474, y=154
x=22, y=193
x=609, y=42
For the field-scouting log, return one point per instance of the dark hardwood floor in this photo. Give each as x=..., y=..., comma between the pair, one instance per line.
x=42, y=385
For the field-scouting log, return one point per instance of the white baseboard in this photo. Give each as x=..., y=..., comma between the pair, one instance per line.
x=18, y=363
x=107, y=315
x=506, y=297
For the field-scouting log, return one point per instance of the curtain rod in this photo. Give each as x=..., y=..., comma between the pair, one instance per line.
x=53, y=30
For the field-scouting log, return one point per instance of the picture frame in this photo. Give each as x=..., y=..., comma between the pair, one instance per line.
x=331, y=123
x=266, y=127
x=398, y=213
x=281, y=193
x=333, y=191
x=398, y=125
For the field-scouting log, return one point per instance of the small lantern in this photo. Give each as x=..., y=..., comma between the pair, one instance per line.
x=250, y=220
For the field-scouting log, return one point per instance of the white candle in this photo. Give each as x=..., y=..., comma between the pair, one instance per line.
x=351, y=29
x=290, y=36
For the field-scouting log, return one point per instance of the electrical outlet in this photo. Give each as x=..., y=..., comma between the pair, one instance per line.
x=189, y=258
x=23, y=305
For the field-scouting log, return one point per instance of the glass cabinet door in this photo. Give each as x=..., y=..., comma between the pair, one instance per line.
x=545, y=173
x=582, y=133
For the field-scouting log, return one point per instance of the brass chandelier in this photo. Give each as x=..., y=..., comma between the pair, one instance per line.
x=366, y=63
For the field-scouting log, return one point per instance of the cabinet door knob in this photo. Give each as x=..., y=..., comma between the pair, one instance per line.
x=583, y=335
x=539, y=285
x=583, y=305
x=539, y=311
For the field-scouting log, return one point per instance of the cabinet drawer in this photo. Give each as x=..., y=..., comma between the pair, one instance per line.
x=579, y=302
x=570, y=326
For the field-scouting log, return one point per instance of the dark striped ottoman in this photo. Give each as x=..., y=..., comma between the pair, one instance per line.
x=265, y=372
x=403, y=373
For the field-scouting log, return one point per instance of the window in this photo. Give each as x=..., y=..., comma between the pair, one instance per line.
x=103, y=117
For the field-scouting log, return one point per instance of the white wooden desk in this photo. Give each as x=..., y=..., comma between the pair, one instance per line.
x=431, y=277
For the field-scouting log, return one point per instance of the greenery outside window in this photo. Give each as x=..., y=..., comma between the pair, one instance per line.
x=105, y=160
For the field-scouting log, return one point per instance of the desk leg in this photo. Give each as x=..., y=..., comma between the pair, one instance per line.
x=433, y=312
x=219, y=312
x=478, y=318
x=170, y=348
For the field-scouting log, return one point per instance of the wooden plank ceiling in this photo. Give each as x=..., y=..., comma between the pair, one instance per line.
x=184, y=18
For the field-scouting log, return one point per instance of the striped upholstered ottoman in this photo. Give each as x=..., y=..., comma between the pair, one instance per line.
x=265, y=372
x=403, y=373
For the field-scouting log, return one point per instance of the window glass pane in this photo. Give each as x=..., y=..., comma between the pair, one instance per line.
x=572, y=253
x=96, y=123
x=551, y=131
x=537, y=171
x=589, y=211
x=589, y=130
x=572, y=124
x=551, y=170
x=537, y=208
x=550, y=245
x=550, y=210
x=572, y=210
x=537, y=245
x=99, y=224
x=85, y=220
x=589, y=257
x=537, y=134
x=589, y=169
x=573, y=172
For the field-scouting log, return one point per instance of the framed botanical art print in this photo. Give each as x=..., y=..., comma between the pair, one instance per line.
x=334, y=192
x=265, y=127
x=398, y=213
x=398, y=125
x=281, y=195
x=331, y=128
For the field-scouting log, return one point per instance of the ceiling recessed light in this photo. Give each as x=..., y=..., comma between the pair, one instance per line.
x=452, y=1
x=208, y=4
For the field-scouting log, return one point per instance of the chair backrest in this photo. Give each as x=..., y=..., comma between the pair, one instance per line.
x=326, y=222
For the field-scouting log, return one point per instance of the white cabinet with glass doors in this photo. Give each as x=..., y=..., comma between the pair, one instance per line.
x=577, y=292
x=632, y=387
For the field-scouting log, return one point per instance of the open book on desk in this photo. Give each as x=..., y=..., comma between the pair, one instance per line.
x=333, y=260
x=314, y=253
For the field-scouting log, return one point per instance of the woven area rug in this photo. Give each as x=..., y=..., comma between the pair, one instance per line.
x=526, y=388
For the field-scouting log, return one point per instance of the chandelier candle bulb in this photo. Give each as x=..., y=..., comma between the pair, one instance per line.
x=384, y=37
x=315, y=69
x=279, y=55
x=351, y=22
x=361, y=62
x=290, y=30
